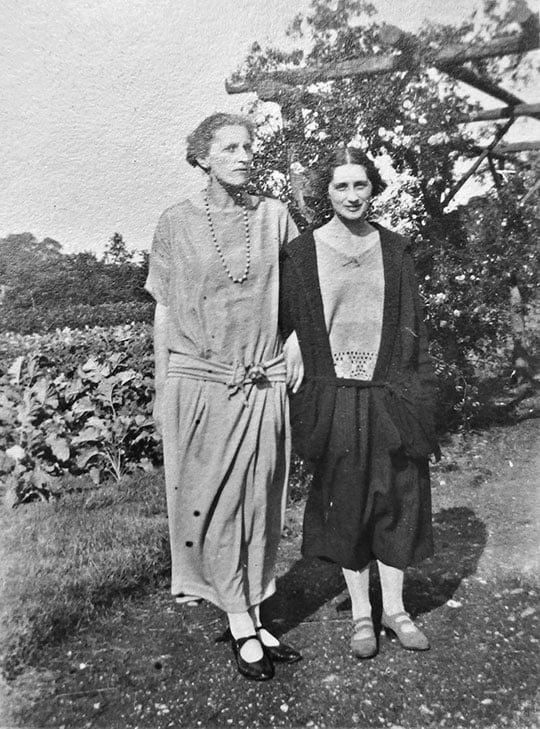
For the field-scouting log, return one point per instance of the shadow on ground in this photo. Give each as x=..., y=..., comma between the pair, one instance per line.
x=460, y=537
x=149, y=663
x=152, y=664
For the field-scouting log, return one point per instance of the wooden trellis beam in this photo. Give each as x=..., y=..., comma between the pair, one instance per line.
x=501, y=150
x=517, y=147
x=486, y=86
x=504, y=112
x=470, y=172
x=454, y=54
x=531, y=192
x=287, y=86
x=495, y=149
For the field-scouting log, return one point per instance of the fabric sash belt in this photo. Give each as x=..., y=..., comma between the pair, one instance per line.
x=236, y=376
x=347, y=382
x=399, y=392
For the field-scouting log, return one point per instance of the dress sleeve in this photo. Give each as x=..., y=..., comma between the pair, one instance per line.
x=157, y=282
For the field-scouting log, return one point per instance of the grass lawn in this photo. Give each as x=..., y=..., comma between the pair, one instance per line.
x=62, y=561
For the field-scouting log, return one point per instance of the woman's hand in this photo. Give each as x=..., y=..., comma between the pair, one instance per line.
x=293, y=362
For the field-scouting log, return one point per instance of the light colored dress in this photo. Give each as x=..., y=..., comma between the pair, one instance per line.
x=225, y=433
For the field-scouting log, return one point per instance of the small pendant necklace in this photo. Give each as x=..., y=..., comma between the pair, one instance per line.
x=244, y=276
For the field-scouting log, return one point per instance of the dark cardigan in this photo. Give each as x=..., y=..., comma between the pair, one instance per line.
x=403, y=387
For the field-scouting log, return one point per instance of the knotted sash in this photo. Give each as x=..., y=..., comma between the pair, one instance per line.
x=236, y=376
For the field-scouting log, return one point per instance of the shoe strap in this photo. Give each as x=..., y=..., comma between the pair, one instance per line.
x=400, y=618
x=258, y=628
x=362, y=623
x=241, y=641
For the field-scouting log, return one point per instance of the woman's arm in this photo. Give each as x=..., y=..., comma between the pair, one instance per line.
x=287, y=307
x=157, y=285
x=161, y=361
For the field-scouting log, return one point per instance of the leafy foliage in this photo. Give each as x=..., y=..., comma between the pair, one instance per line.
x=64, y=411
x=394, y=114
x=74, y=316
x=41, y=288
x=410, y=122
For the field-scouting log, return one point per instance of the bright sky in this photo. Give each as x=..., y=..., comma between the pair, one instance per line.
x=99, y=96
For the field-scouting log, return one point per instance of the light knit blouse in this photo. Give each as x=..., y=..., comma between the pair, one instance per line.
x=351, y=279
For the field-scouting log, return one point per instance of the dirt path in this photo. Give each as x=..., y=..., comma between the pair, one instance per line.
x=497, y=475
x=149, y=663
x=514, y=541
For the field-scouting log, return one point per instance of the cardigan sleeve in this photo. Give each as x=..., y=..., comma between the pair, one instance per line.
x=288, y=296
x=426, y=370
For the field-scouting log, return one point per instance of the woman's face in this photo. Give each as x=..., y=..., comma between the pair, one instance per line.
x=230, y=154
x=350, y=191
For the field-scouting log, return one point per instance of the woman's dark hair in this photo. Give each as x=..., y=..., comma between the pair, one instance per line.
x=199, y=141
x=323, y=170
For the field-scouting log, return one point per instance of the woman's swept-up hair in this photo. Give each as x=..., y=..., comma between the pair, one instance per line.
x=323, y=170
x=199, y=141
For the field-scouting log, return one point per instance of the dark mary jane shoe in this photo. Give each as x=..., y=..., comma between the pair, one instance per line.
x=261, y=670
x=281, y=653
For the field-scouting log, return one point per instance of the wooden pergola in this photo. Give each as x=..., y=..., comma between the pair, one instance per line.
x=287, y=86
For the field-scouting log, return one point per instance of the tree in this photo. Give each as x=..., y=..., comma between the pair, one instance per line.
x=36, y=277
x=117, y=251
x=411, y=123
x=25, y=267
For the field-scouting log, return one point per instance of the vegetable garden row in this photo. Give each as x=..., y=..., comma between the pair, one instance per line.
x=75, y=402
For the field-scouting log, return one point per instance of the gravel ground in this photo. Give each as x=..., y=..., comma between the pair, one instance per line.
x=149, y=663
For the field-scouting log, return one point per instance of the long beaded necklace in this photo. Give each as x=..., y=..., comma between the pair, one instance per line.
x=244, y=276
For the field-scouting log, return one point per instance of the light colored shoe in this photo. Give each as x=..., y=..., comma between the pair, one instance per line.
x=402, y=626
x=363, y=641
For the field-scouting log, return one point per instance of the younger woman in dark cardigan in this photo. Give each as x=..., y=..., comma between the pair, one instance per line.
x=363, y=412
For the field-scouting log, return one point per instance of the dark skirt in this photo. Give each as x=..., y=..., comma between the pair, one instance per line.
x=367, y=501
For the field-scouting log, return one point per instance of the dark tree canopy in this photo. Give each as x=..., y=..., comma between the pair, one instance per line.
x=37, y=275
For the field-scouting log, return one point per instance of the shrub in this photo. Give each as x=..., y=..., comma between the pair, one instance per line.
x=63, y=350
x=75, y=316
